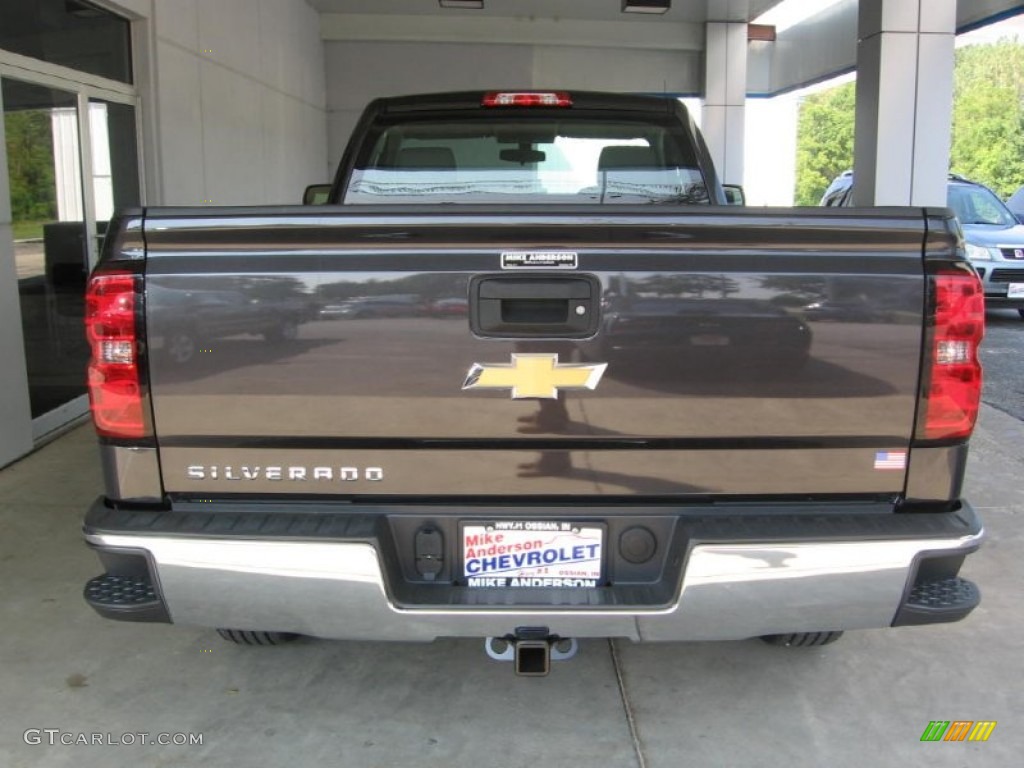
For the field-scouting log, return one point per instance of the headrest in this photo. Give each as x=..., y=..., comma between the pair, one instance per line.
x=621, y=158
x=436, y=158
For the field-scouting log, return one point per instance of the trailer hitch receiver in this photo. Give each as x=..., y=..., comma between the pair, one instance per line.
x=531, y=649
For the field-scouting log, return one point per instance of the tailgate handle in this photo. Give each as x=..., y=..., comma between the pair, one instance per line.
x=524, y=306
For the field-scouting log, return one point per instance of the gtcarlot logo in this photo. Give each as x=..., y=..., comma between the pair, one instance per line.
x=56, y=737
x=958, y=730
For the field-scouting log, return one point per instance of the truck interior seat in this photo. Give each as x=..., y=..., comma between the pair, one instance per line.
x=628, y=158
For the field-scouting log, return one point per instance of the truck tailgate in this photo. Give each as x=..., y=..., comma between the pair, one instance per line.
x=736, y=352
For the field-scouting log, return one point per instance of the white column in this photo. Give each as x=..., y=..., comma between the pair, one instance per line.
x=904, y=101
x=66, y=163
x=725, y=94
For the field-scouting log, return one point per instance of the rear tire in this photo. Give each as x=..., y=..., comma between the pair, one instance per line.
x=803, y=639
x=1021, y=313
x=255, y=637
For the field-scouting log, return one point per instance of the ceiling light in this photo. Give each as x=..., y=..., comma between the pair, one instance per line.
x=646, y=6
x=476, y=4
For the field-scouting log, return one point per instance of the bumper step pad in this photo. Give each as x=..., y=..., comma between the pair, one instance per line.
x=125, y=598
x=934, y=602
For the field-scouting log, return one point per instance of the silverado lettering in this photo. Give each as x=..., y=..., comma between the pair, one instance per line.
x=227, y=472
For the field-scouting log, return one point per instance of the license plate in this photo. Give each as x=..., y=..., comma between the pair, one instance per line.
x=1015, y=290
x=532, y=553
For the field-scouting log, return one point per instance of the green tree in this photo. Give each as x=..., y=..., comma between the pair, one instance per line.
x=30, y=165
x=824, y=141
x=988, y=116
x=987, y=131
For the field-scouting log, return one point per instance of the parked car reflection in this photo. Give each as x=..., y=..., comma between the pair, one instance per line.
x=723, y=333
x=855, y=309
x=450, y=307
x=187, y=314
x=364, y=307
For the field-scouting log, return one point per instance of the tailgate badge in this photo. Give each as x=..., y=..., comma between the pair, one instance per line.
x=539, y=260
x=534, y=376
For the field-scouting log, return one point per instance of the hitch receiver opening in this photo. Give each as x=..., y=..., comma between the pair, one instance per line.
x=533, y=658
x=531, y=651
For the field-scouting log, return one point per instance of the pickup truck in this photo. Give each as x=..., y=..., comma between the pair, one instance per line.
x=627, y=426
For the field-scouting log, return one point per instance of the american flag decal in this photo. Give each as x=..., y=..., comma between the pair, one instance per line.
x=891, y=460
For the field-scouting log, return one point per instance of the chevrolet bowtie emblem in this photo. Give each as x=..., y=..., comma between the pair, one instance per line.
x=530, y=375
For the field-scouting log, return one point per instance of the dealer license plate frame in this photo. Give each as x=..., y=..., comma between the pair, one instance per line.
x=570, y=533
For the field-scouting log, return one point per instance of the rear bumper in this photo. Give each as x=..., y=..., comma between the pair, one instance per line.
x=728, y=589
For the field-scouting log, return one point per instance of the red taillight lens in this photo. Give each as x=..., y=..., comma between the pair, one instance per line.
x=954, y=383
x=527, y=99
x=115, y=387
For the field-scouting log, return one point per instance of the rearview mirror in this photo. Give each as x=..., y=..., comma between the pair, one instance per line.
x=734, y=194
x=316, y=194
x=523, y=156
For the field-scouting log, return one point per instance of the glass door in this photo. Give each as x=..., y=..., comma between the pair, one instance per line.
x=69, y=158
x=51, y=254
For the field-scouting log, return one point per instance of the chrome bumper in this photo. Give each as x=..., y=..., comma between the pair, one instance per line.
x=338, y=590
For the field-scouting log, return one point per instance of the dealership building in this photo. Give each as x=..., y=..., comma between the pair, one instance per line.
x=124, y=103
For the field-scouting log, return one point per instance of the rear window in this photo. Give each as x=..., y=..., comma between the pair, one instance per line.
x=526, y=160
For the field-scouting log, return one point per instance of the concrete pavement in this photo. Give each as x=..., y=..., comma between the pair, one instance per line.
x=863, y=701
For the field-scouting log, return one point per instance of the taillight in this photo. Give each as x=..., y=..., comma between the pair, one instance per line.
x=115, y=381
x=953, y=369
x=526, y=99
